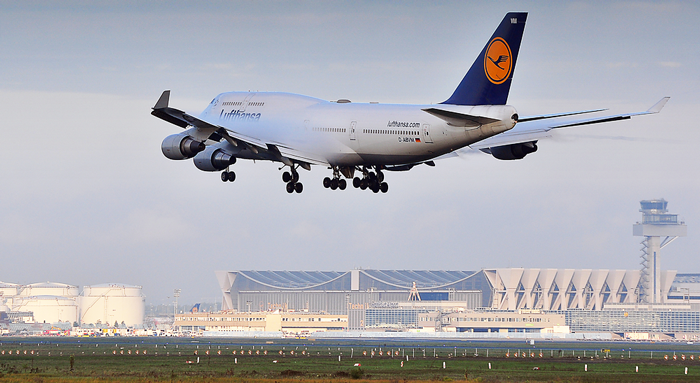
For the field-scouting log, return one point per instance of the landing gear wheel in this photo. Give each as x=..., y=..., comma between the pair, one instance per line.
x=356, y=182
x=363, y=184
x=286, y=177
x=380, y=176
x=326, y=182
x=384, y=187
x=295, y=177
x=375, y=188
x=290, y=187
x=298, y=187
x=342, y=184
x=334, y=183
x=228, y=176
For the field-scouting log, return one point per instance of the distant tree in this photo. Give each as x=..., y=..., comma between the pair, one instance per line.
x=75, y=324
x=116, y=324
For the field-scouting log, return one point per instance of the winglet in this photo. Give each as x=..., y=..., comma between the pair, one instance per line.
x=163, y=100
x=658, y=106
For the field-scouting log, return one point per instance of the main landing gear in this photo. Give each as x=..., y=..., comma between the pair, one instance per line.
x=227, y=175
x=292, y=180
x=336, y=182
x=372, y=181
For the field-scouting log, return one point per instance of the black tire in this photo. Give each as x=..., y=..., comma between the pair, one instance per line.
x=371, y=176
x=380, y=176
x=375, y=189
x=342, y=184
x=295, y=177
x=363, y=184
x=231, y=176
x=290, y=188
x=356, y=182
x=384, y=187
x=298, y=187
x=334, y=183
x=224, y=176
x=326, y=182
x=286, y=177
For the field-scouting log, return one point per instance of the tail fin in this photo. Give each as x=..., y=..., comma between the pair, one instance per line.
x=488, y=80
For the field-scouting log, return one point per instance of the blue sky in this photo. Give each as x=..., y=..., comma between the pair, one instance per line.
x=88, y=197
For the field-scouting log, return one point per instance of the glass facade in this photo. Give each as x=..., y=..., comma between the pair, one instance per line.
x=632, y=321
x=399, y=317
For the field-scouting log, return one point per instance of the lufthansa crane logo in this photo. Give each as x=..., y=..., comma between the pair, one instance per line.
x=497, y=61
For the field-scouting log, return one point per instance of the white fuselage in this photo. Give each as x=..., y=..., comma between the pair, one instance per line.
x=352, y=134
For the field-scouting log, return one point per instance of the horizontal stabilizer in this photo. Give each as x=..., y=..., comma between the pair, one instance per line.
x=460, y=119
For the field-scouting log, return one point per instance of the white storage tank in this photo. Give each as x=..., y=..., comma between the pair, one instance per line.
x=48, y=308
x=112, y=302
x=49, y=288
x=8, y=290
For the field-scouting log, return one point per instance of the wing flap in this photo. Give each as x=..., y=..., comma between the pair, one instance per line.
x=556, y=115
x=300, y=156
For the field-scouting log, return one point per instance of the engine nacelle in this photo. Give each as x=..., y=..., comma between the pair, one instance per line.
x=181, y=147
x=513, y=151
x=213, y=159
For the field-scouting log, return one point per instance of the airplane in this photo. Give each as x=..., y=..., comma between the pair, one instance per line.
x=360, y=141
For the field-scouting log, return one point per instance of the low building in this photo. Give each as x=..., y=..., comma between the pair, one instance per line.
x=494, y=321
x=286, y=322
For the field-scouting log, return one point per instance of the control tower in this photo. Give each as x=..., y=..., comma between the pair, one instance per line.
x=656, y=223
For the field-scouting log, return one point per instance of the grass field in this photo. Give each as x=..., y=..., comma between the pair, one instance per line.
x=213, y=360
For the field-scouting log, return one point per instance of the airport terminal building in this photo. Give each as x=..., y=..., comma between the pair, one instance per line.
x=401, y=300
x=370, y=298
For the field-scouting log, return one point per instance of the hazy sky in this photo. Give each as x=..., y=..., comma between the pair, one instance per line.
x=87, y=196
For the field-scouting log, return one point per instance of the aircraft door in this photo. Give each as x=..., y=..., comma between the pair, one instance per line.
x=425, y=133
x=353, y=125
x=246, y=101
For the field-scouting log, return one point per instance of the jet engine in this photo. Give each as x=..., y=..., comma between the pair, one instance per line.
x=513, y=151
x=213, y=159
x=181, y=147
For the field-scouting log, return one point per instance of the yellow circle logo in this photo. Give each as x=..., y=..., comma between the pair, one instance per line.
x=497, y=62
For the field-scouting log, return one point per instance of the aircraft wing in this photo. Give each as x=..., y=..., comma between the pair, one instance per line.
x=284, y=154
x=533, y=128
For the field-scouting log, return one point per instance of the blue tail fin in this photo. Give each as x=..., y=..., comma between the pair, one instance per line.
x=488, y=80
